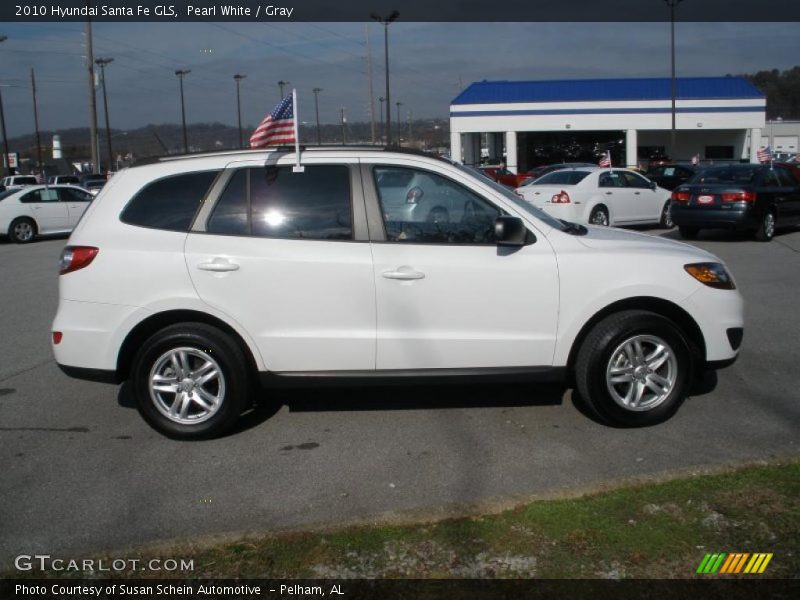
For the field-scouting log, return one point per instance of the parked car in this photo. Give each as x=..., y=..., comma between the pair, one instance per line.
x=504, y=176
x=599, y=196
x=758, y=198
x=41, y=210
x=63, y=179
x=671, y=176
x=537, y=172
x=15, y=182
x=198, y=278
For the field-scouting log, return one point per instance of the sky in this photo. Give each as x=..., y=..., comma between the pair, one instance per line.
x=430, y=64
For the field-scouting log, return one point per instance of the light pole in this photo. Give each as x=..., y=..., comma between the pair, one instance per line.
x=381, y=100
x=281, y=85
x=3, y=125
x=238, y=78
x=385, y=21
x=672, y=4
x=398, y=104
x=102, y=62
x=316, y=107
x=181, y=73
x=344, y=125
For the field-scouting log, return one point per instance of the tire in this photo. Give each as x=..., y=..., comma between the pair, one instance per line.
x=766, y=227
x=688, y=233
x=611, y=345
x=207, y=350
x=599, y=216
x=666, y=216
x=22, y=230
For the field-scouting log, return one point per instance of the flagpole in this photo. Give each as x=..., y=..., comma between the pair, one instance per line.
x=298, y=168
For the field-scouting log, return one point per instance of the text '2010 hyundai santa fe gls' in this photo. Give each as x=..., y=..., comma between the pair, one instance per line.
x=200, y=278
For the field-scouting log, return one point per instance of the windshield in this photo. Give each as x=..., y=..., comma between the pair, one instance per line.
x=512, y=197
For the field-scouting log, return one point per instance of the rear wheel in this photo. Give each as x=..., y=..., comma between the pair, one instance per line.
x=633, y=368
x=599, y=216
x=22, y=230
x=666, y=217
x=688, y=233
x=190, y=380
x=766, y=227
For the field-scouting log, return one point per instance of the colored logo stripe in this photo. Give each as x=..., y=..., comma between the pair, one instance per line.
x=737, y=562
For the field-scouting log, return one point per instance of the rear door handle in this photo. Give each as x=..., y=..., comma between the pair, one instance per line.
x=637, y=193
x=609, y=193
x=218, y=265
x=404, y=273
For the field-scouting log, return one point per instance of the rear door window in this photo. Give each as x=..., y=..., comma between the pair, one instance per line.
x=275, y=202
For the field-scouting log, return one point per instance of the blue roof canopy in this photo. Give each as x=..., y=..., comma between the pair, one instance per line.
x=582, y=90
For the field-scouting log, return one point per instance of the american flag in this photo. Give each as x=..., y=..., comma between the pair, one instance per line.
x=605, y=161
x=764, y=154
x=696, y=159
x=277, y=128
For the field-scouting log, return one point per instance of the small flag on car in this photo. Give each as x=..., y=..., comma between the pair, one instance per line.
x=696, y=159
x=764, y=154
x=278, y=127
x=605, y=161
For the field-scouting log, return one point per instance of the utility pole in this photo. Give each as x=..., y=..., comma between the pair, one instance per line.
x=381, y=100
x=399, y=104
x=92, y=97
x=102, y=62
x=369, y=77
x=672, y=4
x=385, y=21
x=410, y=119
x=36, y=123
x=316, y=106
x=344, y=125
x=238, y=78
x=281, y=85
x=3, y=125
x=181, y=73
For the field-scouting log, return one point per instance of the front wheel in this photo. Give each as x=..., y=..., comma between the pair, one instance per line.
x=190, y=380
x=634, y=368
x=22, y=230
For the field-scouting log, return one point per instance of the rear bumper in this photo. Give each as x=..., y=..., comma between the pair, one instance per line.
x=734, y=216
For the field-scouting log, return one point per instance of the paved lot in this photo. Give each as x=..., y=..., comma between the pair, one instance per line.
x=81, y=472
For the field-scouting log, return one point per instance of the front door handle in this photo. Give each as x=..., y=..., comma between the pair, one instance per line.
x=218, y=265
x=404, y=273
x=637, y=193
x=609, y=193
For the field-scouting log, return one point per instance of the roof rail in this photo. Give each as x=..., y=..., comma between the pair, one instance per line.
x=311, y=148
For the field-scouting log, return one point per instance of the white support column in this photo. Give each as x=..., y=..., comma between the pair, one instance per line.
x=511, y=151
x=455, y=146
x=631, y=143
x=755, y=144
x=472, y=149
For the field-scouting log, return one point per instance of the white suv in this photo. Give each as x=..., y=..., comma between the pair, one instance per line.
x=200, y=277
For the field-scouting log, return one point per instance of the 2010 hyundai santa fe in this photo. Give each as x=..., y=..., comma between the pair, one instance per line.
x=199, y=278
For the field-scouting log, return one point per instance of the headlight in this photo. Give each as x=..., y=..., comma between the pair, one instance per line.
x=711, y=274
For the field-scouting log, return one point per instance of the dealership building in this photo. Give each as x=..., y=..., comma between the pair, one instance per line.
x=534, y=122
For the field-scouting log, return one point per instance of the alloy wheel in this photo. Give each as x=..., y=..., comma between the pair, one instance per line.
x=641, y=372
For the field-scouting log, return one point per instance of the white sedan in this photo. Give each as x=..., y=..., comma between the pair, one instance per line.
x=599, y=196
x=41, y=210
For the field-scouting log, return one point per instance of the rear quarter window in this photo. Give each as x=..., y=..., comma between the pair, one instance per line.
x=169, y=203
x=562, y=178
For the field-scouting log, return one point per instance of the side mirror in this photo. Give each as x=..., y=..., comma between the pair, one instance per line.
x=653, y=185
x=510, y=231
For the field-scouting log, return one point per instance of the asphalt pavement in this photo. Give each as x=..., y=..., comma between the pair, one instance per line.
x=81, y=472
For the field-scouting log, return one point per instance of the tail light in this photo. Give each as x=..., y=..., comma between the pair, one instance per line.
x=74, y=258
x=681, y=196
x=57, y=336
x=739, y=197
x=561, y=198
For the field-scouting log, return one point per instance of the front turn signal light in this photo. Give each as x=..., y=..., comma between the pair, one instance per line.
x=711, y=274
